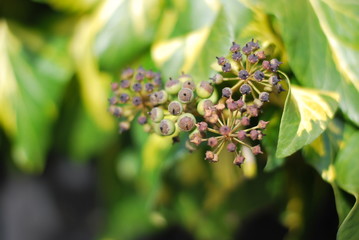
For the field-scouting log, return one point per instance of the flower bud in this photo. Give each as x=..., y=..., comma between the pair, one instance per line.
x=196, y=138
x=185, y=95
x=261, y=55
x=238, y=160
x=224, y=130
x=262, y=124
x=186, y=122
x=175, y=108
x=253, y=134
x=245, y=121
x=241, y=135
x=256, y=150
x=202, y=126
x=204, y=89
x=127, y=73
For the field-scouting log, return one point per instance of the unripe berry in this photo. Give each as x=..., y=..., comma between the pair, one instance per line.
x=252, y=58
x=203, y=105
x=235, y=47
x=202, y=126
x=262, y=124
x=142, y=120
x=237, y=56
x=185, y=77
x=231, y=147
x=266, y=65
x=211, y=156
x=115, y=86
x=241, y=135
x=139, y=76
x=156, y=114
x=261, y=55
x=258, y=75
x=252, y=110
x=204, y=89
x=149, y=87
x=150, y=74
x=217, y=78
x=231, y=104
x=189, y=84
x=226, y=67
x=253, y=134
x=264, y=97
x=137, y=87
x=136, y=101
x=196, y=138
x=274, y=80
x=245, y=89
x=113, y=100
x=274, y=65
x=243, y=74
x=245, y=121
x=116, y=111
x=256, y=150
x=186, y=122
x=246, y=49
x=175, y=108
x=221, y=60
x=159, y=97
x=212, y=142
x=127, y=73
x=173, y=86
x=238, y=160
x=185, y=95
x=125, y=83
x=226, y=92
x=253, y=45
x=124, y=97
x=166, y=127
x=224, y=130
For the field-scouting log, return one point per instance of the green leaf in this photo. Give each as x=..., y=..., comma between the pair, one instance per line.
x=310, y=49
x=129, y=28
x=306, y=115
x=35, y=74
x=195, y=51
x=347, y=177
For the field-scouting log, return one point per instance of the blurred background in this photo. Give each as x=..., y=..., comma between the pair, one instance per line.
x=66, y=173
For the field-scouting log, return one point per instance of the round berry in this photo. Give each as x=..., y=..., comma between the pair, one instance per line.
x=186, y=122
x=253, y=45
x=273, y=80
x=211, y=156
x=253, y=134
x=252, y=58
x=274, y=64
x=226, y=92
x=217, y=78
x=241, y=135
x=173, y=86
x=212, y=142
x=124, y=97
x=203, y=105
x=175, y=108
x=245, y=121
x=159, y=97
x=264, y=97
x=185, y=95
x=112, y=100
x=127, y=73
x=139, y=76
x=237, y=56
x=136, y=101
x=123, y=126
x=156, y=114
x=142, y=120
x=125, y=83
x=221, y=60
x=137, y=87
x=204, y=89
x=261, y=55
x=235, y=47
x=166, y=127
x=243, y=74
x=149, y=87
x=224, y=130
x=238, y=160
x=231, y=147
x=202, y=126
x=256, y=150
x=226, y=67
x=246, y=49
x=245, y=89
x=258, y=75
x=189, y=84
x=116, y=111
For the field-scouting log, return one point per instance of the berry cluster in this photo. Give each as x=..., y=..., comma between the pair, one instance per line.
x=228, y=122
x=131, y=97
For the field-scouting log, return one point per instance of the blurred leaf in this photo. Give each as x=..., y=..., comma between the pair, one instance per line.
x=347, y=177
x=309, y=52
x=306, y=115
x=129, y=28
x=34, y=75
x=69, y=5
x=195, y=51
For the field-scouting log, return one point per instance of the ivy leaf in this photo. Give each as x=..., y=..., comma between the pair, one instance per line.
x=347, y=177
x=34, y=74
x=306, y=115
x=318, y=59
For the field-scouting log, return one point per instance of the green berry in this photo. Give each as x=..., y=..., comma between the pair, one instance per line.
x=185, y=95
x=175, y=108
x=203, y=105
x=189, y=84
x=159, y=97
x=166, y=127
x=204, y=89
x=186, y=122
x=156, y=114
x=173, y=86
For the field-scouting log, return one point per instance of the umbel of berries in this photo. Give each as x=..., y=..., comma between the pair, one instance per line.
x=253, y=74
x=131, y=96
x=176, y=111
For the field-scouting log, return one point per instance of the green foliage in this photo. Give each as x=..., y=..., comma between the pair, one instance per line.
x=54, y=85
